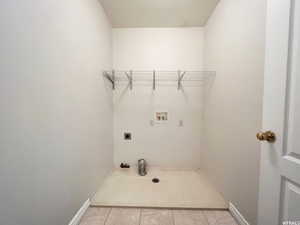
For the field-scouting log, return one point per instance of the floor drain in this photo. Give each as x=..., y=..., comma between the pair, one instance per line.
x=155, y=180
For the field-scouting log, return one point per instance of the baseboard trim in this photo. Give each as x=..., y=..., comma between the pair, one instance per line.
x=237, y=215
x=76, y=219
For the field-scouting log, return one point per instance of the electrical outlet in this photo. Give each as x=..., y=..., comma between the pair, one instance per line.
x=180, y=123
x=127, y=136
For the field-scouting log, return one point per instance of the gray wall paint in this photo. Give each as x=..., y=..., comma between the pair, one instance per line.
x=234, y=47
x=56, y=109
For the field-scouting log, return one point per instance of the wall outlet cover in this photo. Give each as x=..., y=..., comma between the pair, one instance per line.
x=180, y=123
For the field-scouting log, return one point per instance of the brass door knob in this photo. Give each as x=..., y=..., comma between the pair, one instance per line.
x=268, y=136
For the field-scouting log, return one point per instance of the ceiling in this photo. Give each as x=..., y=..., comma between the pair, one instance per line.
x=158, y=13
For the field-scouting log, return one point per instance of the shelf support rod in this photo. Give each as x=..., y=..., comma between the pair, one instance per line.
x=129, y=76
x=180, y=77
x=111, y=78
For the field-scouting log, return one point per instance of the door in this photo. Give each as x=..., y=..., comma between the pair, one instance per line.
x=279, y=197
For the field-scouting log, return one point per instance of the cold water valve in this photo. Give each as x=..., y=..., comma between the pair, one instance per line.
x=142, y=167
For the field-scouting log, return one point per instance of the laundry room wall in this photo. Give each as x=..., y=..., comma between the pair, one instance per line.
x=176, y=143
x=56, y=109
x=234, y=47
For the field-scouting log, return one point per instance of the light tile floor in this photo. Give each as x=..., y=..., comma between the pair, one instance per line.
x=143, y=216
x=176, y=189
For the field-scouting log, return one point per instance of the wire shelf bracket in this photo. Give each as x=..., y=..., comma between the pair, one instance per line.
x=111, y=77
x=154, y=80
x=180, y=77
x=129, y=76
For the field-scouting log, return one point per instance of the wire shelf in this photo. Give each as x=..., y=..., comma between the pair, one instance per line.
x=157, y=77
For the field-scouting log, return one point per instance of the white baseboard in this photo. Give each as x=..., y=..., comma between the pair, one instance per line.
x=237, y=215
x=76, y=219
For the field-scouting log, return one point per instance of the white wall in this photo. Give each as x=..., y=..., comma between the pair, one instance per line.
x=234, y=47
x=166, y=145
x=56, y=110
x=158, y=48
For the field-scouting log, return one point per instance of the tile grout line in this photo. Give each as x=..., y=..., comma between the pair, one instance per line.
x=108, y=214
x=173, y=217
x=140, y=218
x=204, y=214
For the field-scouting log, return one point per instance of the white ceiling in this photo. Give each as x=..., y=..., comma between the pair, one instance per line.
x=158, y=13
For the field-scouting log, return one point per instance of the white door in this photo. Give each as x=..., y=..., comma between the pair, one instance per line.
x=279, y=197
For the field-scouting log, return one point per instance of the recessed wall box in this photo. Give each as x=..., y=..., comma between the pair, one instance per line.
x=161, y=116
x=127, y=136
